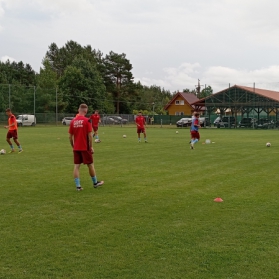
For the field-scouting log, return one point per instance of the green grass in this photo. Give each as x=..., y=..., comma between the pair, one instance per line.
x=155, y=216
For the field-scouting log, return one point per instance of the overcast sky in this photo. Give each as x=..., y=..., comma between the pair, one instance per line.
x=170, y=43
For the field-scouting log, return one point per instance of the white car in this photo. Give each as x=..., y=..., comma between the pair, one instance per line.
x=67, y=120
x=26, y=120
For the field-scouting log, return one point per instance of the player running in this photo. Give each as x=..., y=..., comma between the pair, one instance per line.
x=12, y=133
x=95, y=119
x=195, y=135
x=141, y=124
x=80, y=135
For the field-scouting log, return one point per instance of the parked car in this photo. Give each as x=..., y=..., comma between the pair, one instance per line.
x=248, y=122
x=184, y=122
x=204, y=121
x=216, y=121
x=26, y=120
x=108, y=120
x=225, y=122
x=119, y=120
x=67, y=120
x=264, y=123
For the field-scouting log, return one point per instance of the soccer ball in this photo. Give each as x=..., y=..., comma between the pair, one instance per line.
x=268, y=144
x=177, y=132
x=124, y=136
x=97, y=140
x=2, y=151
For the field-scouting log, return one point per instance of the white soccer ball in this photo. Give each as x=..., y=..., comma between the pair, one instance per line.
x=268, y=144
x=2, y=151
x=124, y=136
x=97, y=140
x=177, y=132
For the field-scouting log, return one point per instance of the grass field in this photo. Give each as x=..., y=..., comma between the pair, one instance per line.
x=155, y=216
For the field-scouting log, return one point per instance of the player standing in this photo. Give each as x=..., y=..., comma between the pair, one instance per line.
x=195, y=135
x=140, y=122
x=80, y=135
x=95, y=119
x=12, y=133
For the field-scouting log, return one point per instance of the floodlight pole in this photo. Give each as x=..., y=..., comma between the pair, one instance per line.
x=153, y=112
x=9, y=95
x=34, y=101
x=254, y=105
x=56, y=109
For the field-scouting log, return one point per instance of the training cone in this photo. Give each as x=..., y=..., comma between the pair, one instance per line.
x=218, y=200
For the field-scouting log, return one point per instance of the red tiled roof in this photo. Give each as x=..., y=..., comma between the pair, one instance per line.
x=263, y=92
x=188, y=97
x=266, y=93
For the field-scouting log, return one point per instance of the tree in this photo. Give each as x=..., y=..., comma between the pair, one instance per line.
x=82, y=83
x=47, y=90
x=118, y=77
x=147, y=96
x=206, y=92
x=47, y=77
x=186, y=90
x=18, y=73
x=61, y=58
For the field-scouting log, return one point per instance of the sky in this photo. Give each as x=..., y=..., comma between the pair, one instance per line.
x=171, y=44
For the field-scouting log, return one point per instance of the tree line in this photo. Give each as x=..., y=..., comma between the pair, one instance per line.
x=75, y=74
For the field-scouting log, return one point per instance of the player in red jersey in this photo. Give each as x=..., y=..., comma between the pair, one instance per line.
x=141, y=124
x=80, y=135
x=12, y=133
x=95, y=119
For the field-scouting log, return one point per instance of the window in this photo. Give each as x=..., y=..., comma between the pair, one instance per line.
x=179, y=102
x=179, y=113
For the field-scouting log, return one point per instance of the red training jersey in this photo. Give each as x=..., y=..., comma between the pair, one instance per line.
x=140, y=120
x=11, y=120
x=79, y=128
x=95, y=118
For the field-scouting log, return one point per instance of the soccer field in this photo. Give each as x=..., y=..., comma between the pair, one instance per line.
x=155, y=216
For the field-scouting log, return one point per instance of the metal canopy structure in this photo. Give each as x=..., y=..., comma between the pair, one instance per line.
x=242, y=101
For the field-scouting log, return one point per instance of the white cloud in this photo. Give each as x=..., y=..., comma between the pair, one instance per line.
x=170, y=43
x=221, y=77
x=218, y=77
x=6, y=58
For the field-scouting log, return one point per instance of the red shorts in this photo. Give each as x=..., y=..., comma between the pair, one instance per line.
x=95, y=128
x=140, y=130
x=195, y=135
x=84, y=157
x=12, y=134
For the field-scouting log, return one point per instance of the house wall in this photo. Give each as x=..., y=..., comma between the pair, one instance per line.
x=173, y=108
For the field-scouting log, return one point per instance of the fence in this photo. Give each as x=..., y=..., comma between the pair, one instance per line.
x=44, y=104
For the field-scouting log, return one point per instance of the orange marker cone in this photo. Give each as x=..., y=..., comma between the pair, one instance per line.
x=218, y=200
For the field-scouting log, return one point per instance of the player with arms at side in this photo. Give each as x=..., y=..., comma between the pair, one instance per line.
x=80, y=135
x=12, y=133
x=141, y=124
x=95, y=119
x=195, y=135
